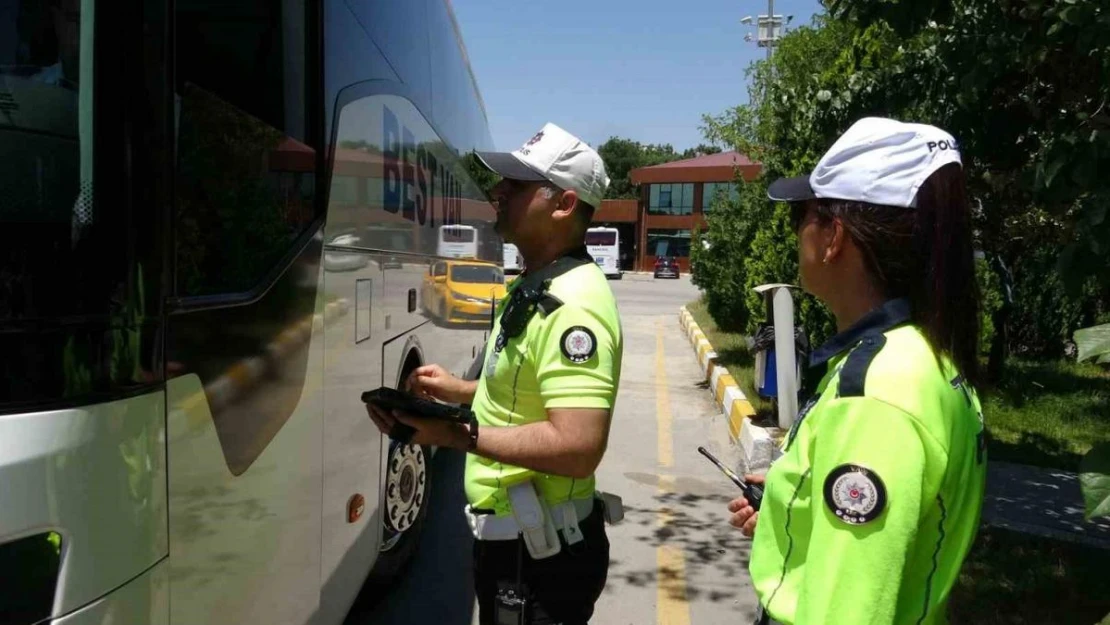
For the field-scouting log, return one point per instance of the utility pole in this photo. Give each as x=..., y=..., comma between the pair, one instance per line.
x=772, y=39
x=769, y=28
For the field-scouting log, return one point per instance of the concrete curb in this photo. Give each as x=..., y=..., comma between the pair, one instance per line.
x=756, y=443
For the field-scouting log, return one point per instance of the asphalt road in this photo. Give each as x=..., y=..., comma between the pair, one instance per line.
x=674, y=560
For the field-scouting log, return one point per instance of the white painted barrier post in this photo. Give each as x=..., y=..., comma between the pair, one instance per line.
x=781, y=307
x=785, y=352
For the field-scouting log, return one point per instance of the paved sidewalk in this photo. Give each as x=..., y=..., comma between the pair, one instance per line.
x=1045, y=502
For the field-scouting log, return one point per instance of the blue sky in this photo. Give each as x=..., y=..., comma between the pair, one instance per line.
x=646, y=70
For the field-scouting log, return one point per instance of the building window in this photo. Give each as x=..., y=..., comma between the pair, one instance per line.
x=673, y=198
x=712, y=190
x=662, y=242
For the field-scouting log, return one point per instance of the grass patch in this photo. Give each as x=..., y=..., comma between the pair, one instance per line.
x=1015, y=579
x=732, y=353
x=1048, y=413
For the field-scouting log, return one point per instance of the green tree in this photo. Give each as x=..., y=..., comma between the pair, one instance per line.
x=480, y=174
x=365, y=146
x=719, y=256
x=701, y=149
x=621, y=156
x=1022, y=85
x=787, y=111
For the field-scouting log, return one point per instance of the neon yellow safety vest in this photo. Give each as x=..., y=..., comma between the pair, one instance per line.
x=872, y=508
x=568, y=358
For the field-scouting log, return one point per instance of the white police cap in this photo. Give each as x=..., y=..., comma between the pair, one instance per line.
x=557, y=156
x=878, y=161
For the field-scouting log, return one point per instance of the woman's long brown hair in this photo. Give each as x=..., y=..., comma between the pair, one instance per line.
x=926, y=254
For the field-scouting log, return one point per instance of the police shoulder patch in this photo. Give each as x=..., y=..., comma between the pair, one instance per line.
x=855, y=494
x=578, y=344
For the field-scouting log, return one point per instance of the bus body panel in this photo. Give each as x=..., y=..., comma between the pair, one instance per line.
x=144, y=599
x=353, y=447
x=234, y=476
x=401, y=160
x=245, y=547
x=96, y=475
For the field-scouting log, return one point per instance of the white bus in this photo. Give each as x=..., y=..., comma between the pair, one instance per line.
x=604, y=245
x=182, y=439
x=457, y=241
x=514, y=264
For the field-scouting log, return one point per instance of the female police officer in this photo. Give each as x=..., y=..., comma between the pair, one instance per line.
x=870, y=511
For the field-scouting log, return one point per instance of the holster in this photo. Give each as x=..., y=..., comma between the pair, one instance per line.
x=537, y=528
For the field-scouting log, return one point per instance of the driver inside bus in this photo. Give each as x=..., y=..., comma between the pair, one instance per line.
x=544, y=399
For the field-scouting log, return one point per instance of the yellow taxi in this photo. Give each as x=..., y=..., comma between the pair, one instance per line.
x=462, y=291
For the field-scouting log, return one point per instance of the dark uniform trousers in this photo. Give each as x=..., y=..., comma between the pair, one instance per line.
x=560, y=589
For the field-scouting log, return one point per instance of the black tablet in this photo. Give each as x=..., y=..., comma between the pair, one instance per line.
x=392, y=399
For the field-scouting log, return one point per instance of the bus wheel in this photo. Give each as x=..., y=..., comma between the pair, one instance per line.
x=406, y=495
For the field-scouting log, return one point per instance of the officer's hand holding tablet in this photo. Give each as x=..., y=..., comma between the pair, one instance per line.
x=412, y=419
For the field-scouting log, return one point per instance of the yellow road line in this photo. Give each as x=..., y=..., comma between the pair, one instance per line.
x=662, y=402
x=672, y=604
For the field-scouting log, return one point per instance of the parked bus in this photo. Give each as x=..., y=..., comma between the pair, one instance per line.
x=514, y=264
x=457, y=241
x=180, y=377
x=604, y=245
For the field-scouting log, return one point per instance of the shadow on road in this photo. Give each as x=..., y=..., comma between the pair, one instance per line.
x=716, y=554
x=437, y=587
x=1045, y=502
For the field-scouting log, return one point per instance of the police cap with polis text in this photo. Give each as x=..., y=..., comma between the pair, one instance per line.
x=877, y=161
x=557, y=156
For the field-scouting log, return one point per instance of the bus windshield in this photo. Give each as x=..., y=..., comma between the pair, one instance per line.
x=477, y=274
x=601, y=238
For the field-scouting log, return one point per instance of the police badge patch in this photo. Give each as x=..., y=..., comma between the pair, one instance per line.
x=855, y=494
x=578, y=344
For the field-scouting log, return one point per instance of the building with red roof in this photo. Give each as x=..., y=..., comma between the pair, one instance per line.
x=674, y=199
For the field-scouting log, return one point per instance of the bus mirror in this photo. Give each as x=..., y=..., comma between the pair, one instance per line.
x=440, y=278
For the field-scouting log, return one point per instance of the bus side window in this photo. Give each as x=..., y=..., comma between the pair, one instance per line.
x=79, y=254
x=246, y=174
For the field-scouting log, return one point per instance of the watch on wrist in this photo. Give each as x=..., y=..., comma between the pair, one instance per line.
x=472, y=427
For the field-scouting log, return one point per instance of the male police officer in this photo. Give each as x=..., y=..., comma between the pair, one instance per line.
x=544, y=400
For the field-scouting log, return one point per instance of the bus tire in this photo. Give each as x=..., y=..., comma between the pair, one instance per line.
x=397, y=548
